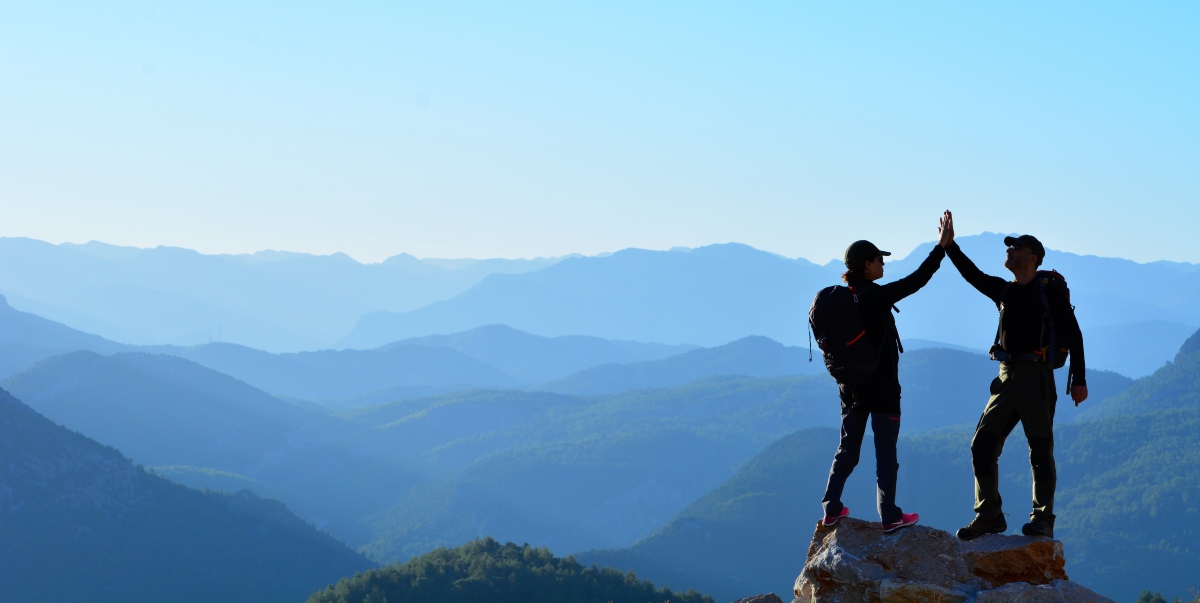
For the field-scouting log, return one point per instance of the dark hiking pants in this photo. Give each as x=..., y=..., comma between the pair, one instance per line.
x=886, y=427
x=1025, y=394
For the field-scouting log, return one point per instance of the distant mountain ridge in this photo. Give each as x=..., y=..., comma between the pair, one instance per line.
x=749, y=356
x=705, y=296
x=79, y=522
x=720, y=293
x=288, y=302
x=531, y=358
x=276, y=301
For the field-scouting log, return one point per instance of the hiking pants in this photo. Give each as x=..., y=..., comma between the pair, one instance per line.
x=1023, y=393
x=854, y=424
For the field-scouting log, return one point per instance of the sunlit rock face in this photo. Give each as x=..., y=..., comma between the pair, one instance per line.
x=855, y=562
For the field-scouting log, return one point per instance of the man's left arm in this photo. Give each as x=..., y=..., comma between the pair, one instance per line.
x=1064, y=315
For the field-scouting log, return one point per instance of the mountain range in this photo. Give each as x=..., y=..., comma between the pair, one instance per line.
x=605, y=444
x=287, y=302
x=80, y=522
x=275, y=301
x=719, y=293
x=166, y=411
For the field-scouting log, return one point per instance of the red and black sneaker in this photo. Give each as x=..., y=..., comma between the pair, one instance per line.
x=906, y=519
x=831, y=520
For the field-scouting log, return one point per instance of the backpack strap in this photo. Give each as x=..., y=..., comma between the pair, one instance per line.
x=998, y=353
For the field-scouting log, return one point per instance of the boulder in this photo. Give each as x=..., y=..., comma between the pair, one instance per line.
x=855, y=562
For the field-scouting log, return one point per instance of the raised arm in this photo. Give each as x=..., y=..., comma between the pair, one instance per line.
x=991, y=286
x=904, y=287
x=891, y=293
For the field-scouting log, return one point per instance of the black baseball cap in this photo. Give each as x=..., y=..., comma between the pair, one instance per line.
x=1029, y=241
x=862, y=251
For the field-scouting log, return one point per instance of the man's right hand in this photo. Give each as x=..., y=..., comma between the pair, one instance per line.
x=945, y=229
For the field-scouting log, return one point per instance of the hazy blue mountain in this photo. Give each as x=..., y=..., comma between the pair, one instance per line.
x=706, y=296
x=1173, y=386
x=457, y=429
x=344, y=374
x=79, y=522
x=601, y=491
x=1135, y=349
x=26, y=339
x=275, y=301
x=165, y=411
x=33, y=330
x=749, y=356
x=913, y=343
x=530, y=358
x=570, y=471
x=720, y=293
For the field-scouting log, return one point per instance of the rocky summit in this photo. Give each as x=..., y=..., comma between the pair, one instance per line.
x=855, y=562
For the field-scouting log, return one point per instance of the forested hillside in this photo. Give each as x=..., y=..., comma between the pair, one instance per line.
x=79, y=522
x=484, y=570
x=166, y=411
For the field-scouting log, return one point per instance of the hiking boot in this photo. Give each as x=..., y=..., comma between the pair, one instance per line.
x=1039, y=527
x=906, y=519
x=980, y=526
x=831, y=520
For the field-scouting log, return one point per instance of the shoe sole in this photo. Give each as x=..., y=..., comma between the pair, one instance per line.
x=825, y=521
x=894, y=528
x=999, y=531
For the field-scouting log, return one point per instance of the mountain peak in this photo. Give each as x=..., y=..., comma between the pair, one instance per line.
x=1191, y=346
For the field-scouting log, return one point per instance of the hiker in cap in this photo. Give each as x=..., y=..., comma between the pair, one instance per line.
x=1036, y=332
x=875, y=396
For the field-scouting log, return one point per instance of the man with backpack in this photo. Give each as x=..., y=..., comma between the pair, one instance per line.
x=1036, y=332
x=857, y=334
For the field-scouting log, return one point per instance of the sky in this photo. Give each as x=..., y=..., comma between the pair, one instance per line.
x=522, y=129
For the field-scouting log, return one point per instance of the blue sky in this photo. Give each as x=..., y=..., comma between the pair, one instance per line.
x=523, y=129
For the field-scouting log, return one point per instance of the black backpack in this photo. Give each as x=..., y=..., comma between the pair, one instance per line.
x=1054, y=345
x=850, y=355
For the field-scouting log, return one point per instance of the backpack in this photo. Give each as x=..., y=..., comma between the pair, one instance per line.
x=834, y=319
x=1054, y=348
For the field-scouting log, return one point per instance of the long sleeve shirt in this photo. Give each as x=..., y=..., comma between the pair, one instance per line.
x=882, y=390
x=1021, y=319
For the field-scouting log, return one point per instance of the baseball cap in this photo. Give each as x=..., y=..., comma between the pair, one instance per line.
x=1029, y=241
x=862, y=251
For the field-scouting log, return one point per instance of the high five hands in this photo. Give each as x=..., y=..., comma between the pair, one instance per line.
x=945, y=229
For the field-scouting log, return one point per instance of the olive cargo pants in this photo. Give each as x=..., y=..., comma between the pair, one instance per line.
x=1023, y=393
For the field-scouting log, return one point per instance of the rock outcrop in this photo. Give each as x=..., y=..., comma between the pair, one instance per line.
x=767, y=598
x=855, y=562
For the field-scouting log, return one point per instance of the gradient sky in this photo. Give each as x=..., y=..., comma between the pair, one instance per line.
x=452, y=129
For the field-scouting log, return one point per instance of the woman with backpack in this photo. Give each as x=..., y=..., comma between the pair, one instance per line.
x=870, y=391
